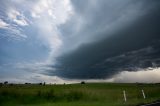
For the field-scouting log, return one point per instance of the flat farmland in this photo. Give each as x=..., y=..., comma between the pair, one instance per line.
x=89, y=94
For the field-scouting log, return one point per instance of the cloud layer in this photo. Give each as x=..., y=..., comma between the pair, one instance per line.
x=79, y=39
x=143, y=76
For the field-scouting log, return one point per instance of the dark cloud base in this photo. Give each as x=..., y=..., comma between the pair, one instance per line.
x=134, y=47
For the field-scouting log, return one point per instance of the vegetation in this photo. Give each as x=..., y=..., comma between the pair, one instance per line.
x=88, y=94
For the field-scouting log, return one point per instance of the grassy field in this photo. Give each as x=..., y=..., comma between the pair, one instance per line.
x=90, y=94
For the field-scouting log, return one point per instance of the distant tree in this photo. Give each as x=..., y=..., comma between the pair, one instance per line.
x=82, y=82
x=27, y=83
x=40, y=83
x=6, y=82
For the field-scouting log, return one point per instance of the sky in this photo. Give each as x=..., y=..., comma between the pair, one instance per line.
x=67, y=41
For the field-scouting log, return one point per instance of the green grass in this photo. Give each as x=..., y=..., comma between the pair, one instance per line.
x=90, y=94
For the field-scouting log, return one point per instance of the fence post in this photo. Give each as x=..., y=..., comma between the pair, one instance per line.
x=143, y=94
x=124, y=94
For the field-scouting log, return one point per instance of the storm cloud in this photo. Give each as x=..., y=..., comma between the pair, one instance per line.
x=107, y=37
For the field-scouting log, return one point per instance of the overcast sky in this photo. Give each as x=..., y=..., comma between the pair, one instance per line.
x=61, y=41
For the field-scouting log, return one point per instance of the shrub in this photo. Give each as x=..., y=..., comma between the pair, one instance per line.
x=6, y=82
x=82, y=82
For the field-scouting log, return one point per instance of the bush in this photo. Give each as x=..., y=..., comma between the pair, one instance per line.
x=82, y=82
x=6, y=82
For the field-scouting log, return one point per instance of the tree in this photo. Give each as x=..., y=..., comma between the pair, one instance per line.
x=6, y=82
x=82, y=82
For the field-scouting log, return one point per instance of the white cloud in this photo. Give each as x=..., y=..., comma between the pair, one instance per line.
x=11, y=32
x=59, y=10
x=144, y=76
x=29, y=72
x=43, y=15
x=17, y=17
x=47, y=16
x=38, y=78
x=14, y=21
x=3, y=24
